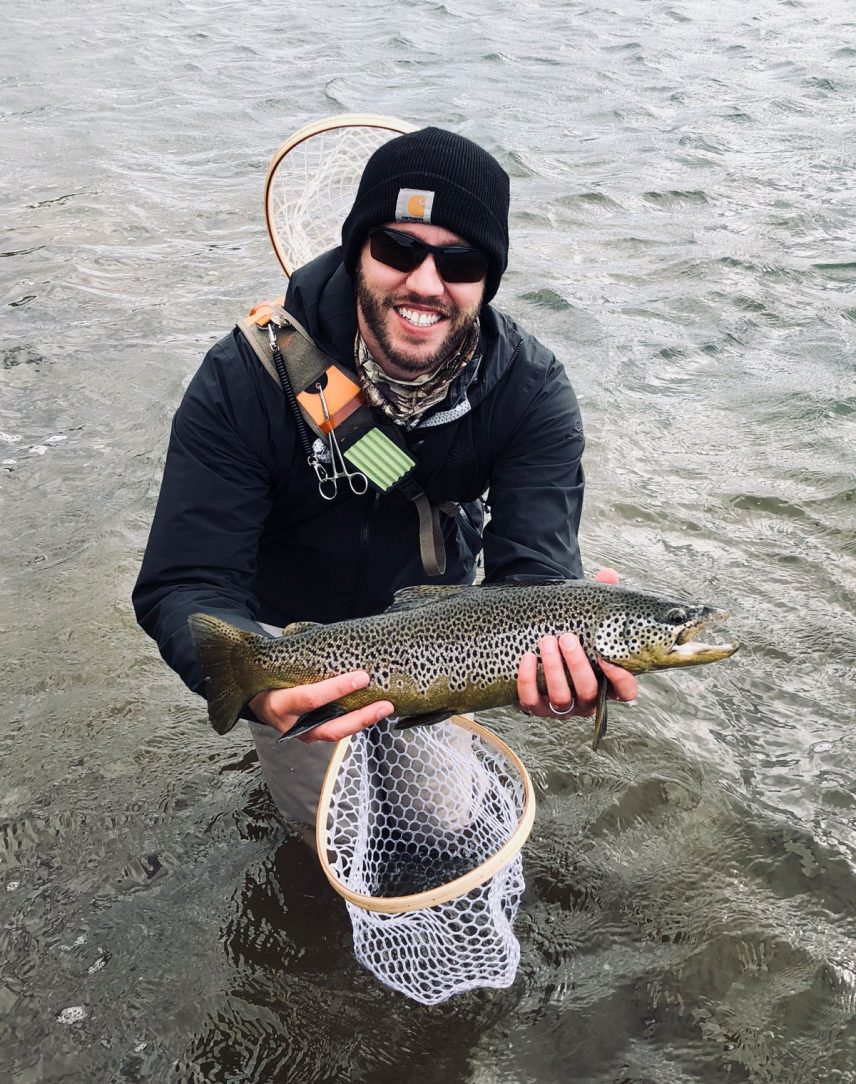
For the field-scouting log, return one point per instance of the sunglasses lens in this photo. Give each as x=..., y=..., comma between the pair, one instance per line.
x=455, y=263
x=461, y=264
x=397, y=250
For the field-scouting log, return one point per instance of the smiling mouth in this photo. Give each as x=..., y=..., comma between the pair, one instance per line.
x=418, y=318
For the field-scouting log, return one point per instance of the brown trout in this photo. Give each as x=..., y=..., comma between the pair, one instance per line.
x=442, y=650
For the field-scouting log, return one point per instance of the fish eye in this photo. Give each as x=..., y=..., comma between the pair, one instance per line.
x=676, y=616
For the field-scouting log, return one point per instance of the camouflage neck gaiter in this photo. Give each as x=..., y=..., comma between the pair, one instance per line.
x=406, y=400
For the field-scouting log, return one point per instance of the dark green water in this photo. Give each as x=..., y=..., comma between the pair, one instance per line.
x=682, y=237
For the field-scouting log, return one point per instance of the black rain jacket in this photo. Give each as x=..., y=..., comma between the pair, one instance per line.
x=241, y=531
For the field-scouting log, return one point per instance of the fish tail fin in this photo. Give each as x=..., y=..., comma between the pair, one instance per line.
x=229, y=664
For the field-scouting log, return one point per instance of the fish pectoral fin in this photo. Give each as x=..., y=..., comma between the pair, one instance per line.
x=310, y=719
x=600, y=711
x=408, y=722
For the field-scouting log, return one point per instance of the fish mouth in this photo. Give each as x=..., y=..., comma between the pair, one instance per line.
x=688, y=651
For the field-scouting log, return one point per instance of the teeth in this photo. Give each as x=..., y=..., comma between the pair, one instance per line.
x=420, y=319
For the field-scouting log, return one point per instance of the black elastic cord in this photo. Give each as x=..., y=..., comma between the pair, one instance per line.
x=291, y=398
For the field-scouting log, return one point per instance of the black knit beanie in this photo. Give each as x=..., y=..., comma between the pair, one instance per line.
x=437, y=177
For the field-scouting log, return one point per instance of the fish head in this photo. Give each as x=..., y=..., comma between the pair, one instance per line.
x=648, y=632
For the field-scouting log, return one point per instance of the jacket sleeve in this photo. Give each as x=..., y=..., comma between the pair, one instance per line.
x=213, y=503
x=536, y=485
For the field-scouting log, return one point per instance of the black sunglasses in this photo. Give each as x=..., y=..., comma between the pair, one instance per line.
x=455, y=263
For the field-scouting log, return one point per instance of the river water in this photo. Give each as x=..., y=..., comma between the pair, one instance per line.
x=682, y=237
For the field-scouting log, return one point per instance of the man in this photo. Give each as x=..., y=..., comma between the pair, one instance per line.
x=241, y=530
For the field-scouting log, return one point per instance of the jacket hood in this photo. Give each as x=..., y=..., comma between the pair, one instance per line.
x=321, y=295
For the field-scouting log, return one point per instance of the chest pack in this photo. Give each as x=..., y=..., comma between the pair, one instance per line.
x=342, y=440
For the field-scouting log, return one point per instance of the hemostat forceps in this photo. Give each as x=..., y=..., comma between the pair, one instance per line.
x=339, y=468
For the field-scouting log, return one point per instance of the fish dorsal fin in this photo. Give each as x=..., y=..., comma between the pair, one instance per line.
x=411, y=598
x=299, y=626
x=531, y=581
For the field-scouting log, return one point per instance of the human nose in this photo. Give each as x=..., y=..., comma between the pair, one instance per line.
x=426, y=279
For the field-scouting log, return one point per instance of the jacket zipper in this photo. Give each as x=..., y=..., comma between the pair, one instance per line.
x=511, y=361
x=364, y=553
x=365, y=527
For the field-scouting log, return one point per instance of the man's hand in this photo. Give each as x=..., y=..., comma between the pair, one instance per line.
x=280, y=708
x=571, y=682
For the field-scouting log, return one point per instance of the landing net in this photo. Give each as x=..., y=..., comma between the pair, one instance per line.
x=312, y=181
x=420, y=831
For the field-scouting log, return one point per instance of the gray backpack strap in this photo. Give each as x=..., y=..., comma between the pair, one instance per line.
x=258, y=339
x=304, y=361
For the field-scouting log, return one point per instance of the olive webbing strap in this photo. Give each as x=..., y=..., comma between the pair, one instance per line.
x=431, y=546
x=306, y=364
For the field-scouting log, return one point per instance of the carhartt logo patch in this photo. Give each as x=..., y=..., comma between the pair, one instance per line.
x=413, y=205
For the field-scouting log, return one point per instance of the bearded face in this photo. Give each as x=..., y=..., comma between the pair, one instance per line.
x=412, y=321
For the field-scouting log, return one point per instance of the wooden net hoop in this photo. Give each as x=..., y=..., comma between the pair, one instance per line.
x=453, y=889
x=312, y=181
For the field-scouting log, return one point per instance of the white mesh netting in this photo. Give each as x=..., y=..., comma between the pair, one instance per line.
x=312, y=185
x=410, y=812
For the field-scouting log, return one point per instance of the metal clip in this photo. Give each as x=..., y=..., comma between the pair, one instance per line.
x=324, y=478
x=357, y=481
x=272, y=326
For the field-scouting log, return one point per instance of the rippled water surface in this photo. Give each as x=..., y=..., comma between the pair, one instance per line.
x=682, y=237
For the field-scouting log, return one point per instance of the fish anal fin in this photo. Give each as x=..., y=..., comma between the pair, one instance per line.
x=310, y=719
x=408, y=722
